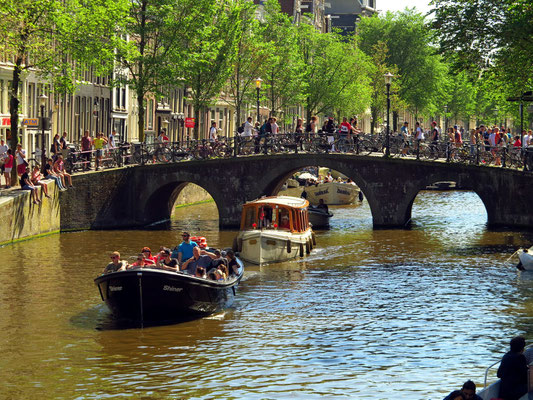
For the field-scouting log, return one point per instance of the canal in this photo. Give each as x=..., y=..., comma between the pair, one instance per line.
x=370, y=314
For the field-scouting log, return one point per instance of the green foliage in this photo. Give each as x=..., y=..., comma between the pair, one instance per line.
x=419, y=70
x=282, y=69
x=211, y=53
x=335, y=77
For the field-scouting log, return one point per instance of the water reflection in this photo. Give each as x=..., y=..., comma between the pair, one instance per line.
x=369, y=313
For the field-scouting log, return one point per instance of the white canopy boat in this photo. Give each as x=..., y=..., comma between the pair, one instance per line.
x=274, y=229
x=333, y=193
x=526, y=259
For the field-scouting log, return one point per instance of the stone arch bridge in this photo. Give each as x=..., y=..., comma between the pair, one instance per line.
x=136, y=196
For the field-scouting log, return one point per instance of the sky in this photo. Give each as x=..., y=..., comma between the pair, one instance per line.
x=399, y=5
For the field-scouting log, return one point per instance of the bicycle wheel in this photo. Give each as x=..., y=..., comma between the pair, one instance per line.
x=342, y=145
x=366, y=147
x=223, y=150
x=69, y=166
x=179, y=153
x=163, y=155
x=246, y=147
x=431, y=153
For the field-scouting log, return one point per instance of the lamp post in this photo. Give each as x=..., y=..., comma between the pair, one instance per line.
x=388, y=81
x=42, y=103
x=258, y=87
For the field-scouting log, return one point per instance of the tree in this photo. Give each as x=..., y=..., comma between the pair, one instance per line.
x=211, y=53
x=251, y=53
x=152, y=45
x=335, y=73
x=283, y=68
x=409, y=44
x=51, y=38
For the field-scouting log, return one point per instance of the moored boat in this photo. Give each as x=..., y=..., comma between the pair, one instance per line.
x=155, y=295
x=319, y=217
x=333, y=193
x=526, y=259
x=274, y=229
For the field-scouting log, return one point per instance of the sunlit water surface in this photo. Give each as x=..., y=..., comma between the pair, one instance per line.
x=370, y=314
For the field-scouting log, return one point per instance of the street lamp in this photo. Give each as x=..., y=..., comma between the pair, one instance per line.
x=388, y=81
x=258, y=87
x=42, y=103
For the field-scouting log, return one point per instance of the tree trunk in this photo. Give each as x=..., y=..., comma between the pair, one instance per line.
x=309, y=112
x=374, y=113
x=196, y=121
x=14, y=113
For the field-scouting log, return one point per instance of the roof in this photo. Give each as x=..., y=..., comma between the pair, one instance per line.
x=294, y=202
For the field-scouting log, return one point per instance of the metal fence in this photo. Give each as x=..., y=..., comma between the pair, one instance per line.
x=321, y=143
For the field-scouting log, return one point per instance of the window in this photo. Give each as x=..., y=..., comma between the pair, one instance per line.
x=150, y=119
x=123, y=98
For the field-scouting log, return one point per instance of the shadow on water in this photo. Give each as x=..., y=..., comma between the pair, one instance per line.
x=101, y=319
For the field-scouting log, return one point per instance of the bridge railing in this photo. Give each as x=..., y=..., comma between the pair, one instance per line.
x=321, y=143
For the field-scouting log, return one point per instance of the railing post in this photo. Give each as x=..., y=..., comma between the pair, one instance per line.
x=504, y=156
x=448, y=151
x=418, y=149
x=235, y=146
x=477, y=153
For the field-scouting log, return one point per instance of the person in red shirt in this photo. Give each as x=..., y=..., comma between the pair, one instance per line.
x=148, y=255
x=8, y=166
x=517, y=142
x=345, y=128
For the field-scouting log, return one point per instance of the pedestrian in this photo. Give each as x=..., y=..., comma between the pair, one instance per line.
x=3, y=156
x=8, y=166
x=22, y=163
x=248, y=128
x=63, y=145
x=99, y=144
x=213, y=132
x=86, y=150
x=111, y=141
x=274, y=126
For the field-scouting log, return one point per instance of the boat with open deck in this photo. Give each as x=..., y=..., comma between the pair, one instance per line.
x=274, y=229
x=149, y=294
x=333, y=193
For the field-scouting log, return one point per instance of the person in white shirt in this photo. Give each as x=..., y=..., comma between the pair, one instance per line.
x=111, y=142
x=248, y=128
x=213, y=132
x=274, y=126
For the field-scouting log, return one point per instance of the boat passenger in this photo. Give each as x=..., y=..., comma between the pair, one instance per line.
x=513, y=371
x=218, y=258
x=457, y=395
x=140, y=263
x=322, y=206
x=284, y=223
x=148, y=255
x=197, y=260
x=116, y=263
x=233, y=265
x=161, y=255
x=169, y=264
x=200, y=273
x=218, y=274
x=468, y=390
x=185, y=249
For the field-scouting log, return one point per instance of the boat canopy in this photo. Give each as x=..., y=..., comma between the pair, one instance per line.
x=281, y=212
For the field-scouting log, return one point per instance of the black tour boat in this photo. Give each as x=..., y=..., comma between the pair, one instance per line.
x=155, y=295
x=319, y=218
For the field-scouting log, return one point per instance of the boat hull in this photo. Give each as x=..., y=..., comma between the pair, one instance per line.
x=333, y=193
x=157, y=295
x=266, y=246
x=526, y=258
x=319, y=219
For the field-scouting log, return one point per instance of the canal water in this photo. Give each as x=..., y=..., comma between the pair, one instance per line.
x=370, y=314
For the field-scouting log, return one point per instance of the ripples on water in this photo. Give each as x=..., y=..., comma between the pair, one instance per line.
x=370, y=314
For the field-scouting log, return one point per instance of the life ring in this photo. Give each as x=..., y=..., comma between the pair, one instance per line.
x=307, y=248
x=289, y=246
x=301, y=249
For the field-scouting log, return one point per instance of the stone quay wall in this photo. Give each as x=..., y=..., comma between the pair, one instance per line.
x=70, y=210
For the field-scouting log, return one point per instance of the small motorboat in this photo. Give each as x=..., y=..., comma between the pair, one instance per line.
x=319, y=217
x=526, y=259
x=156, y=295
x=492, y=391
x=333, y=193
x=274, y=229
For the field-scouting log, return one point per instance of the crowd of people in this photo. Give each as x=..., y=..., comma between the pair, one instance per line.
x=188, y=258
